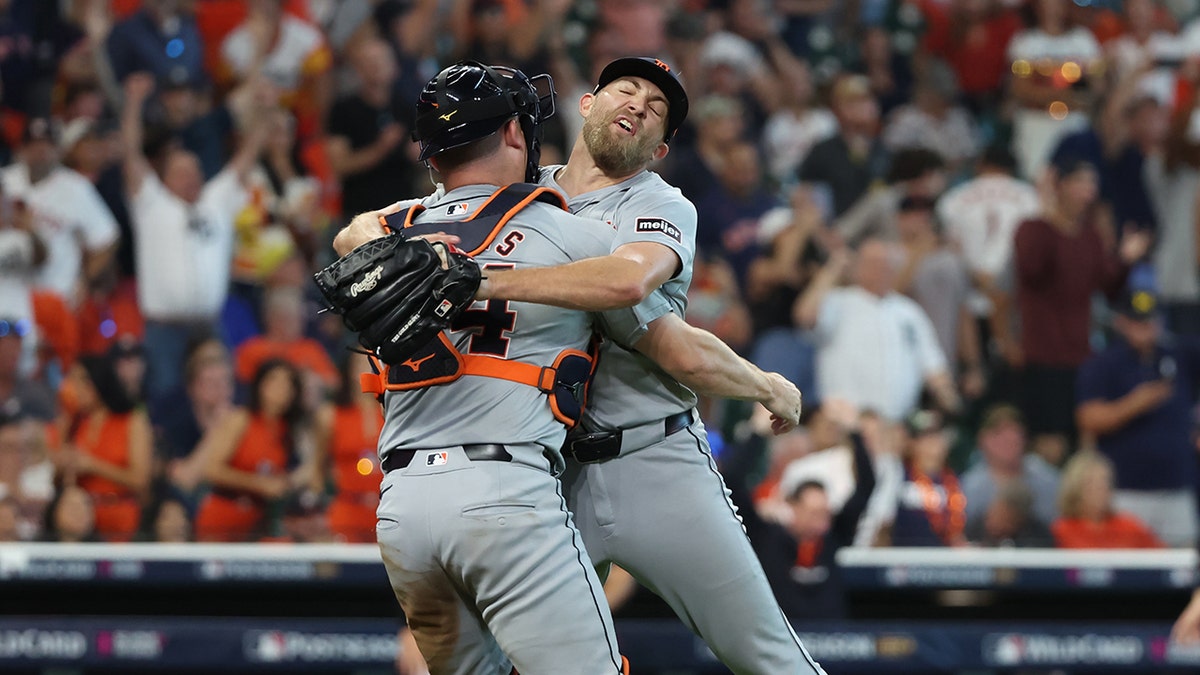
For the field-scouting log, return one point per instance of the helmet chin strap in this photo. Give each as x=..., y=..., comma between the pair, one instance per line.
x=533, y=148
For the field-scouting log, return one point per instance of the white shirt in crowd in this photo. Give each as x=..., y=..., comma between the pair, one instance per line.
x=875, y=352
x=299, y=50
x=1127, y=55
x=981, y=216
x=71, y=218
x=184, y=250
x=787, y=139
x=1035, y=132
x=953, y=136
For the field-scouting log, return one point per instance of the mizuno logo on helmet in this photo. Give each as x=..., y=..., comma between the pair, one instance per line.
x=447, y=116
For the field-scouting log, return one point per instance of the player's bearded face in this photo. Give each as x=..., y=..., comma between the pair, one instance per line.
x=614, y=150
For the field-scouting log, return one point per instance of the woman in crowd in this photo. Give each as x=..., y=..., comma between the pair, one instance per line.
x=347, y=434
x=250, y=456
x=108, y=449
x=71, y=517
x=1088, y=519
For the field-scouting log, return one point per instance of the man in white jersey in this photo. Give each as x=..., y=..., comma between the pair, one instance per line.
x=644, y=488
x=473, y=525
x=69, y=215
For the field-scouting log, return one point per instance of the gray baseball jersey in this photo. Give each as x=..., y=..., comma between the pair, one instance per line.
x=642, y=208
x=660, y=509
x=482, y=554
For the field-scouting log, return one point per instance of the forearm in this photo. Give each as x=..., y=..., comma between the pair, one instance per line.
x=127, y=476
x=97, y=261
x=233, y=479
x=942, y=388
x=705, y=364
x=1101, y=418
x=808, y=306
x=363, y=159
x=593, y=284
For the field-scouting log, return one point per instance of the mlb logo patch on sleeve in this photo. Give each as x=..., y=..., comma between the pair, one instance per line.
x=458, y=209
x=661, y=226
x=436, y=458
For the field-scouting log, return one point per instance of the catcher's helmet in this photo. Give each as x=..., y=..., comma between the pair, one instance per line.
x=661, y=75
x=469, y=101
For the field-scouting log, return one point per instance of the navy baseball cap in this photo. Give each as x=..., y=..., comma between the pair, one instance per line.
x=659, y=73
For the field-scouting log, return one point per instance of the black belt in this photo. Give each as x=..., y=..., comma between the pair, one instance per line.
x=601, y=445
x=481, y=452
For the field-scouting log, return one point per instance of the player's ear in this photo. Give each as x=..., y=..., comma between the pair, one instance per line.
x=513, y=136
x=661, y=151
x=585, y=103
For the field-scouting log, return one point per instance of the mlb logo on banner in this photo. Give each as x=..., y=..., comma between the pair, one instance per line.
x=436, y=459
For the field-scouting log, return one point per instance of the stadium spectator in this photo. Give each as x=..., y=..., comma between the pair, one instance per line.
x=77, y=228
x=789, y=237
x=935, y=276
x=1057, y=69
x=290, y=52
x=1128, y=125
x=70, y=517
x=109, y=447
x=799, y=124
x=303, y=521
x=1088, y=517
x=1008, y=521
x=170, y=520
x=1135, y=399
x=1147, y=41
x=843, y=167
x=187, y=419
x=284, y=318
x=972, y=36
x=22, y=251
x=185, y=115
x=162, y=39
x=798, y=554
x=934, y=120
x=184, y=230
x=282, y=212
x=1172, y=174
x=1062, y=258
x=981, y=218
x=720, y=122
x=875, y=347
x=347, y=433
x=728, y=214
x=250, y=456
x=912, y=172
x=1002, y=459
x=129, y=360
x=367, y=136
x=715, y=301
x=932, y=510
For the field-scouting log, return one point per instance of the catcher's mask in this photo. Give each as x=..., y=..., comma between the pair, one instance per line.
x=469, y=101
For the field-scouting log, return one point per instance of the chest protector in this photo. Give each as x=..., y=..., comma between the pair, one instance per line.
x=565, y=382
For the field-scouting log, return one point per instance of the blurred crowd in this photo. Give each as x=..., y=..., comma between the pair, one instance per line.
x=968, y=230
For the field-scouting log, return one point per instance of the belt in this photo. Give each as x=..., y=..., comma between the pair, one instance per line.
x=397, y=458
x=601, y=445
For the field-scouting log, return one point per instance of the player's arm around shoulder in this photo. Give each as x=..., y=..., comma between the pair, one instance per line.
x=367, y=226
x=705, y=364
x=602, y=282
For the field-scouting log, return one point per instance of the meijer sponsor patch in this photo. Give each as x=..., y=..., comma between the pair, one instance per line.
x=660, y=225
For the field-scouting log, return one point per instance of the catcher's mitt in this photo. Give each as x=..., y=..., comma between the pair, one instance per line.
x=399, y=293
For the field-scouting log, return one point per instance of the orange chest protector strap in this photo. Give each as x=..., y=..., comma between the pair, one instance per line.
x=479, y=230
x=566, y=382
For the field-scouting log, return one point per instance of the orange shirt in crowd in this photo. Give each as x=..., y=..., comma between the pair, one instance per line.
x=356, y=472
x=227, y=515
x=56, y=325
x=106, y=438
x=101, y=322
x=305, y=353
x=1118, y=531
